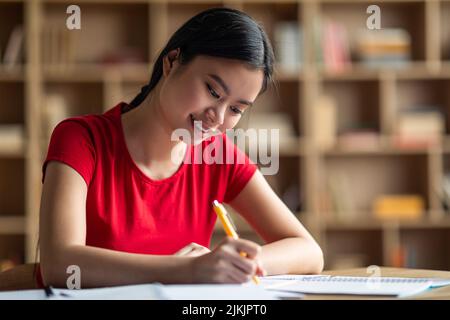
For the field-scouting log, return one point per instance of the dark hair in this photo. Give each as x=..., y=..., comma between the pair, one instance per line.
x=218, y=32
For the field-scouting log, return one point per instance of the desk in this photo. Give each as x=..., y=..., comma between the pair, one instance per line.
x=21, y=278
x=438, y=293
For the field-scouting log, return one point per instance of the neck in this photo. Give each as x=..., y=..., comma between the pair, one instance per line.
x=148, y=134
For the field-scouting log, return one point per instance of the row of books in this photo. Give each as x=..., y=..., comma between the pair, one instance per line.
x=384, y=47
x=336, y=46
x=59, y=46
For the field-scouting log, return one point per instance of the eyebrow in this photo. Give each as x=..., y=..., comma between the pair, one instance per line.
x=225, y=88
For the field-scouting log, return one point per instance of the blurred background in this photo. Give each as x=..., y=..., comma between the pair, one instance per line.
x=362, y=112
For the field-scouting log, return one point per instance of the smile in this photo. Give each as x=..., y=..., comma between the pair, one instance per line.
x=198, y=124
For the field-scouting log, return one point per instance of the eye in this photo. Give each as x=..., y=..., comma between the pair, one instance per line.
x=212, y=92
x=236, y=110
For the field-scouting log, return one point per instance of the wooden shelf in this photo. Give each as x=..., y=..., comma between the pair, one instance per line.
x=379, y=151
x=12, y=141
x=12, y=225
x=413, y=70
x=12, y=74
x=375, y=224
x=16, y=150
x=371, y=96
x=97, y=72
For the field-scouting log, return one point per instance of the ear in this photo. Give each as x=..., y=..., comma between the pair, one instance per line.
x=170, y=60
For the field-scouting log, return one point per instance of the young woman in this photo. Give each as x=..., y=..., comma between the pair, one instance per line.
x=118, y=204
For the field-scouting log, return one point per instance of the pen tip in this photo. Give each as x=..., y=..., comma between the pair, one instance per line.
x=216, y=203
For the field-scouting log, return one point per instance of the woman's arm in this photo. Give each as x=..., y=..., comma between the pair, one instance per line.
x=290, y=249
x=63, y=234
x=63, y=243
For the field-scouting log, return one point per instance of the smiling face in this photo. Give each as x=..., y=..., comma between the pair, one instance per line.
x=215, y=91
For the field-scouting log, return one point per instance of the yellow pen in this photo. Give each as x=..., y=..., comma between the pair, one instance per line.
x=229, y=230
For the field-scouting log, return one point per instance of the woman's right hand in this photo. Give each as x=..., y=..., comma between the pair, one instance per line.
x=225, y=264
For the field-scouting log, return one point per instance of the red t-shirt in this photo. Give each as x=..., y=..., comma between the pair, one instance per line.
x=128, y=211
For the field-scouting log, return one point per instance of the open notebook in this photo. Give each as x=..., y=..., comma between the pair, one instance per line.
x=377, y=286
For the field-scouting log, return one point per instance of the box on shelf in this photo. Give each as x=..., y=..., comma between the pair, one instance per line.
x=399, y=207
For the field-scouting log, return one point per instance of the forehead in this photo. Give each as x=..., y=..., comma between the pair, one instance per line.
x=238, y=76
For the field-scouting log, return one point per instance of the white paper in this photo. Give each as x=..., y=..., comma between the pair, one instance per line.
x=247, y=291
x=325, y=284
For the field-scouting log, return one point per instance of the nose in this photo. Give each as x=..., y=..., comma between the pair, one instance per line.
x=216, y=114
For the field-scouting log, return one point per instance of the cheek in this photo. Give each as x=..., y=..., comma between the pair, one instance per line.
x=183, y=96
x=230, y=122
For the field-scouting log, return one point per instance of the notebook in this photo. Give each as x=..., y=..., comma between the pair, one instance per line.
x=377, y=286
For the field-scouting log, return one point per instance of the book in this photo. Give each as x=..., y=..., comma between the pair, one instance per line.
x=324, y=122
x=339, y=186
x=335, y=46
x=14, y=48
x=288, y=45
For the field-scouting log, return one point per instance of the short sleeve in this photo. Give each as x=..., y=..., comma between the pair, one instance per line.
x=71, y=143
x=240, y=171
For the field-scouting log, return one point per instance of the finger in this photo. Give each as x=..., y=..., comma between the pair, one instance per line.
x=238, y=276
x=235, y=275
x=260, y=271
x=245, y=265
x=250, y=248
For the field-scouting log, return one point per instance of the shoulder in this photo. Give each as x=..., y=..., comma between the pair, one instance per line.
x=88, y=127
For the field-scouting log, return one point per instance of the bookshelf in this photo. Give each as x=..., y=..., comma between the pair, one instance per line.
x=89, y=75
